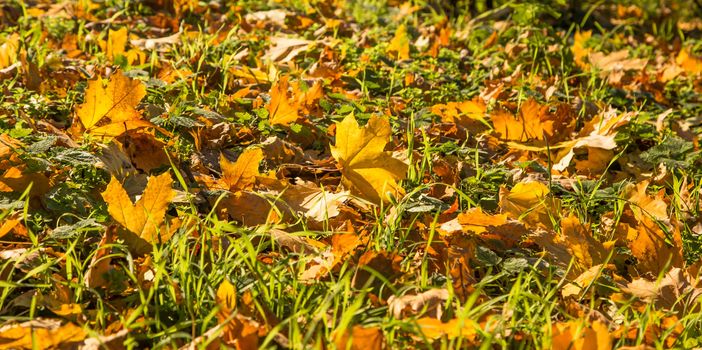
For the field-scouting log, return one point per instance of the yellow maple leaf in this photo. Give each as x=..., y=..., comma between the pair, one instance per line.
x=642, y=204
x=41, y=334
x=576, y=336
x=241, y=175
x=116, y=43
x=117, y=101
x=530, y=202
x=469, y=114
x=239, y=331
x=531, y=123
x=688, y=62
x=579, y=241
x=653, y=248
x=144, y=217
x=580, y=52
x=365, y=168
x=8, y=50
x=400, y=44
x=281, y=110
x=359, y=338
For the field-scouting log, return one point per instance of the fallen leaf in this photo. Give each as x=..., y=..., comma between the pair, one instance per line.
x=577, y=237
x=359, y=338
x=469, y=114
x=40, y=334
x=573, y=335
x=116, y=43
x=578, y=285
x=433, y=328
x=100, y=266
x=673, y=291
x=579, y=50
x=145, y=217
x=239, y=331
x=281, y=109
x=8, y=50
x=241, y=175
x=314, y=202
x=413, y=304
x=400, y=44
x=285, y=49
x=365, y=168
x=688, y=62
x=531, y=123
x=650, y=245
x=117, y=101
x=642, y=204
x=530, y=202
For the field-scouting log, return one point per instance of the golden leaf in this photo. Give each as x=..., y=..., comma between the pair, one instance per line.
x=688, y=62
x=643, y=205
x=226, y=300
x=433, y=328
x=8, y=50
x=400, y=44
x=281, y=110
x=652, y=248
x=532, y=123
x=241, y=175
x=239, y=331
x=146, y=216
x=574, y=335
x=579, y=49
x=359, y=338
x=117, y=100
x=116, y=43
x=40, y=334
x=365, y=168
x=468, y=114
x=578, y=238
x=529, y=202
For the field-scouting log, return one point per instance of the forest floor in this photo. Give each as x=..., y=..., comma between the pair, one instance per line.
x=335, y=174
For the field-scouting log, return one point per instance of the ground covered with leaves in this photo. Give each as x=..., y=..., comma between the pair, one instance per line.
x=333, y=174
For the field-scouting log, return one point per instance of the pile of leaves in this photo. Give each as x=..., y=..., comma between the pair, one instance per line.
x=340, y=174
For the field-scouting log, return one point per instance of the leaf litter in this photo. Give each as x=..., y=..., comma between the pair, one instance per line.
x=356, y=175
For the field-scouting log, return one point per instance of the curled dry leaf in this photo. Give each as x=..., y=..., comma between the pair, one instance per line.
x=673, y=291
x=285, y=49
x=429, y=302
